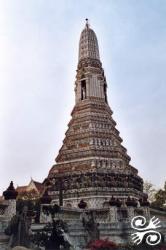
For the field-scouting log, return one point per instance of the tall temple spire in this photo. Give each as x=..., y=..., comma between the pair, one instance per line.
x=92, y=161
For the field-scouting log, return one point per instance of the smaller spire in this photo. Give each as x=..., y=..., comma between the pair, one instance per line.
x=88, y=45
x=87, y=22
x=10, y=193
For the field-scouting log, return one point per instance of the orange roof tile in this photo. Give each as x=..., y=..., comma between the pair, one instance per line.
x=21, y=189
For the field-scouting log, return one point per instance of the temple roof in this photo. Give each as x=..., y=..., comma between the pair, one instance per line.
x=88, y=45
x=1, y=199
x=39, y=187
x=21, y=189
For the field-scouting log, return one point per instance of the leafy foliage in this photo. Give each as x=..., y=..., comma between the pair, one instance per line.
x=160, y=198
x=33, y=207
x=156, y=197
x=52, y=236
x=102, y=245
x=150, y=190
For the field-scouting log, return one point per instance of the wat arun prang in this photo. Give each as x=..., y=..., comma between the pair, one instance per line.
x=92, y=164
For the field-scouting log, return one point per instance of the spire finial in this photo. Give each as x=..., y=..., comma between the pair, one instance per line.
x=87, y=22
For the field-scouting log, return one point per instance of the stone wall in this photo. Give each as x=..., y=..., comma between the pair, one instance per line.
x=119, y=233
x=110, y=223
x=7, y=210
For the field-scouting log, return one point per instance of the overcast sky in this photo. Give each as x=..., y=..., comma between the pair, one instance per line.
x=38, y=60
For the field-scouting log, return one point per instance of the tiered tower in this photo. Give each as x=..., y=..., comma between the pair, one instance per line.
x=92, y=164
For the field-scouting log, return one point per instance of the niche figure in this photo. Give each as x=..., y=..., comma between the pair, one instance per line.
x=83, y=89
x=91, y=226
x=105, y=92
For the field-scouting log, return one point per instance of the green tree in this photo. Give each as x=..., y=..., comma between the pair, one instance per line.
x=150, y=190
x=160, y=197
